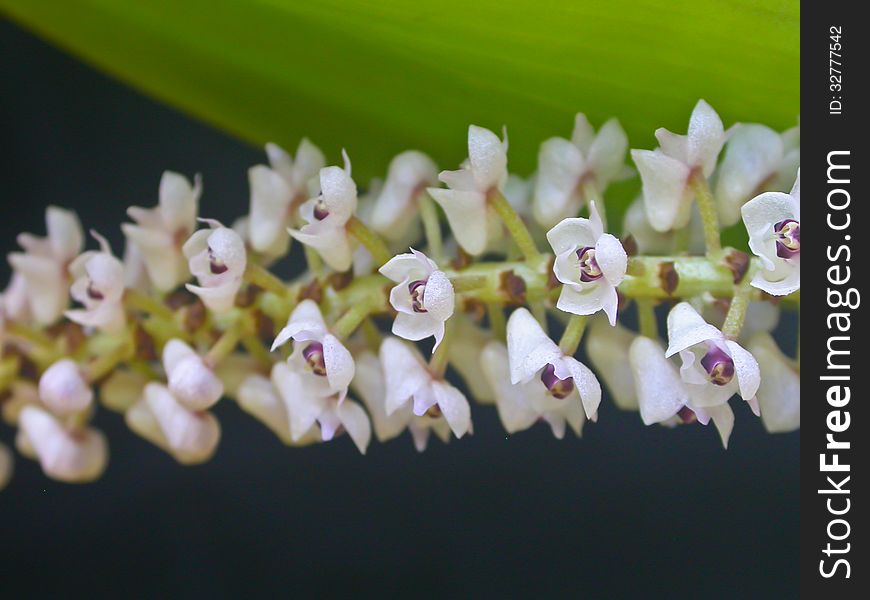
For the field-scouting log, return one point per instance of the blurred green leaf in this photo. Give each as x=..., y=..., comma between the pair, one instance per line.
x=381, y=76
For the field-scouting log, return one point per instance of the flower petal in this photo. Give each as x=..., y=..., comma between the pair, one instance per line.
x=660, y=391
x=339, y=364
x=63, y=388
x=466, y=213
x=405, y=372
x=356, y=423
x=71, y=456
x=270, y=205
x=514, y=410
x=706, y=137
x=779, y=394
x=586, y=384
x=529, y=347
x=571, y=234
x=607, y=347
x=488, y=157
x=560, y=166
x=746, y=370
x=305, y=323
x=687, y=328
x=454, y=406
x=665, y=194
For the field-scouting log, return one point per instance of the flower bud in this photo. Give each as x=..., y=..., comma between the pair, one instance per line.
x=63, y=389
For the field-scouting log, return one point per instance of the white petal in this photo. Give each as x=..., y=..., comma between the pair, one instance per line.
x=270, y=205
x=72, y=456
x=488, y=157
x=660, y=391
x=571, y=234
x=706, y=137
x=370, y=386
x=560, y=167
x=607, y=153
x=63, y=389
x=583, y=134
x=330, y=240
x=611, y=258
x=782, y=282
x=303, y=408
x=305, y=323
x=454, y=406
x=746, y=370
x=779, y=394
x=309, y=161
x=607, y=347
x=163, y=260
x=438, y=300
x=191, y=436
x=599, y=296
x=64, y=233
x=220, y=299
x=665, y=194
x=339, y=192
x=418, y=326
x=752, y=156
x=514, y=410
x=529, y=347
x=407, y=266
x=405, y=372
x=395, y=206
x=586, y=384
x=723, y=419
x=194, y=385
x=47, y=292
x=466, y=213
x=179, y=202
x=356, y=423
x=339, y=364
x=687, y=328
x=258, y=397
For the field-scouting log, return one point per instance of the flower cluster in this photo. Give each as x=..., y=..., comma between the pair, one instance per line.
x=191, y=314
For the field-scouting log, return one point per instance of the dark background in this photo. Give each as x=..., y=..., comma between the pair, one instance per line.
x=628, y=511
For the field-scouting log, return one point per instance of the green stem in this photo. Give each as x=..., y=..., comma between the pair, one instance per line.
x=515, y=226
x=372, y=241
x=314, y=262
x=646, y=317
x=351, y=319
x=709, y=215
x=226, y=343
x=573, y=334
x=590, y=193
x=257, y=275
x=495, y=312
x=256, y=349
x=468, y=283
x=737, y=310
x=108, y=361
x=431, y=226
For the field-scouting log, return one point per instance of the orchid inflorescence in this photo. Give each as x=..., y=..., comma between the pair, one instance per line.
x=309, y=358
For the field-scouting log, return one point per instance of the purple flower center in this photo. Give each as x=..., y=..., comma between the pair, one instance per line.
x=788, y=238
x=558, y=388
x=320, y=210
x=687, y=415
x=418, y=291
x=313, y=355
x=589, y=269
x=92, y=293
x=214, y=265
x=719, y=366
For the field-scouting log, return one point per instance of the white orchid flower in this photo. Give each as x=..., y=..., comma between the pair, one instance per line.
x=217, y=258
x=259, y=397
x=63, y=388
x=395, y=209
x=565, y=165
x=327, y=215
x=276, y=193
x=779, y=395
x=662, y=395
x=191, y=380
x=521, y=405
x=409, y=380
x=190, y=436
x=714, y=367
x=773, y=221
x=99, y=285
x=589, y=264
x=757, y=159
x=666, y=172
x=160, y=232
x=71, y=455
x=423, y=297
x=42, y=267
x=466, y=202
x=533, y=355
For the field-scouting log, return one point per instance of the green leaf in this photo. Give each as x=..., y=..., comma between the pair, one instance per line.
x=381, y=76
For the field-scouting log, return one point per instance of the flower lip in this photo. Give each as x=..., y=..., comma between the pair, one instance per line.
x=320, y=209
x=314, y=358
x=417, y=290
x=93, y=293
x=558, y=388
x=788, y=238
x=215, y=265
x=719, y=366
x=687, y=415
x=589, y=269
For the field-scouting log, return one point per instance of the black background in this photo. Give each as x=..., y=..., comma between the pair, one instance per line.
x=628, y=511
